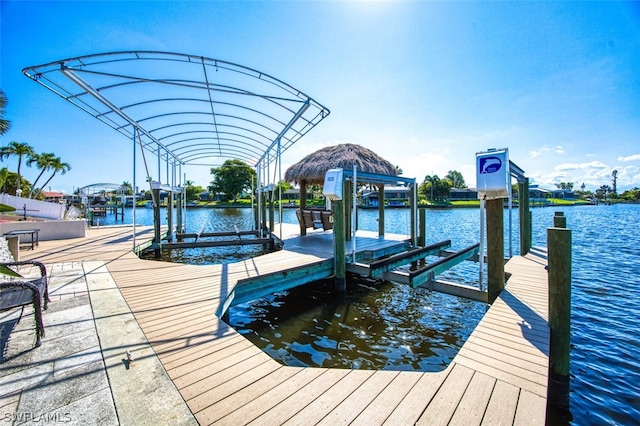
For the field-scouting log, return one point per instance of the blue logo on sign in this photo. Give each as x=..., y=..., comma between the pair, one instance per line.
x=489, y=165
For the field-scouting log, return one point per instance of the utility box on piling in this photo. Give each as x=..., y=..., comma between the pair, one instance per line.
x=492, y=174
x=494, y=184
x=332, y=188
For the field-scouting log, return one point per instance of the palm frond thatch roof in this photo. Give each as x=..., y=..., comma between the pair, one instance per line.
x=312, y=168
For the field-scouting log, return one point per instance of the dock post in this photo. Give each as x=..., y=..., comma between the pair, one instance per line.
x=156, y=222
x=340, y=267
x=263, y=213
x=559, y=220
x=303, y=204
x=179, y=206
x=495, y=248
x=559, y=264
x=272, y=212
x=525, y=216
x=256, y=210
x=422, y=233
x=347, y=206
x=381, y=209
x=170, y=216
x=413, y=201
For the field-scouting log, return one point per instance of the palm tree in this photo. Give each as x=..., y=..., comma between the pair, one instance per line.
x=20, y=150
x=4, y=176
x=43, y=162
x=126, y=188
x=57, y=166
x=4, y=124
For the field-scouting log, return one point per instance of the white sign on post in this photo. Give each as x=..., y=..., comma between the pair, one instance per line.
x=492, y=173
x=332, y=188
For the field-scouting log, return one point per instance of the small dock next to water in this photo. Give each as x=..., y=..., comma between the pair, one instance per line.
x=498, y=377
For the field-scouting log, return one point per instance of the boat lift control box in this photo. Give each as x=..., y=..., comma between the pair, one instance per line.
x=493, y=176
x=333, y=184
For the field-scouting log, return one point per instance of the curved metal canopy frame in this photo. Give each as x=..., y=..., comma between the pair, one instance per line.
x=186, y=109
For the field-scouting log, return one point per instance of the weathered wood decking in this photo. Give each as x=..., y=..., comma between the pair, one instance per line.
x=498, y=377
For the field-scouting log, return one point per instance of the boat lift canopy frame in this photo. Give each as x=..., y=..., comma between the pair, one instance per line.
x=186, y=109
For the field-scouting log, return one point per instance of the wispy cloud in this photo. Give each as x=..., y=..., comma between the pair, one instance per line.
x=580, y=166
x=558, y=149
x=633, y=157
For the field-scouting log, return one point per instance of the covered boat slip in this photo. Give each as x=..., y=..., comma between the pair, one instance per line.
x=186, y=111
x=498, y=377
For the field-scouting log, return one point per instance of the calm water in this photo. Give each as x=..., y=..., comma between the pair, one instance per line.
x=605, y=365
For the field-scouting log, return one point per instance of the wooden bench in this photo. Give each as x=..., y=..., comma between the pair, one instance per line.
x=315, y=218
x=21, y=292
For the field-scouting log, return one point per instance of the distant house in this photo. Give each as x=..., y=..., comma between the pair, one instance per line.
x=395, y=196
x=564, y=194
x=537, y=193
x=204, y=196
x=460, y=194
x=210, y=196
x=293, y=194
x=53, y=197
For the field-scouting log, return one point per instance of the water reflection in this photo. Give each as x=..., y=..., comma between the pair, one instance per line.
x=375, y=325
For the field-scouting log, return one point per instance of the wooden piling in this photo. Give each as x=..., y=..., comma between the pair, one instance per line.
x=525, y=216
x=495, y=248
x=381, y=209
x=272, y=212
x=347, y=200
x=340, y=266
x=559, y=220
x=180, y=196
x=559, y=263
x=422, y=225
x=170, y=216
x=156, y=223
x=412, y=202
x=303, y=204
x=263, y=213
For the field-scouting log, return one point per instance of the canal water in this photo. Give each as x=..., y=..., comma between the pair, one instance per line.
x=605, y=360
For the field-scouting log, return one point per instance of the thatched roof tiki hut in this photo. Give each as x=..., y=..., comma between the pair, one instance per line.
x=312, y=168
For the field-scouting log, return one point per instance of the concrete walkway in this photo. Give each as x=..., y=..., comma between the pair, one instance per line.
x=81, y=374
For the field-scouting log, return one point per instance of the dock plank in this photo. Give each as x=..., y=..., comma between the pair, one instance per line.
x=267, y=401
x=386, y=401
x=330, y=399
x=470, y=411
x=240, y=402
x=418, y=398
x=205, y=379
x=502, y=405
x=446, y=400
x=238, y=377
x=531, y=409
x=302, y=397
x=362, y=397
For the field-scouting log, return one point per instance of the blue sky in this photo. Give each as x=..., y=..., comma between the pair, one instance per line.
x=423, y=84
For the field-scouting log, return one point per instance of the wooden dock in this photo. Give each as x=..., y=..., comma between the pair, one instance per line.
x=498, y=377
